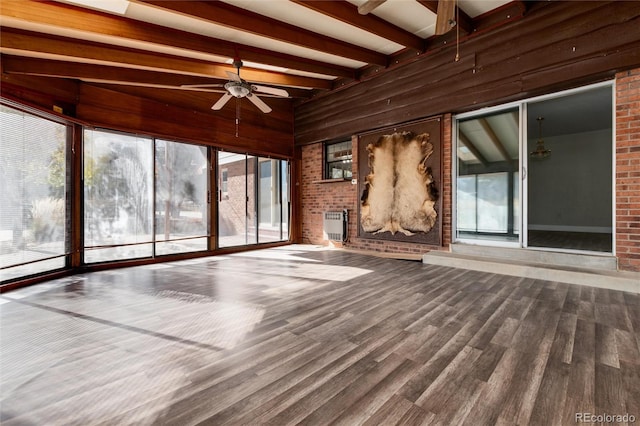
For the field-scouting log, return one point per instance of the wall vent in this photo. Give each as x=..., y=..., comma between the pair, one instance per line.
x=333, y=226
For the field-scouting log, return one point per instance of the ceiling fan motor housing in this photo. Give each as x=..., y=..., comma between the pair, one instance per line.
x=238, y=89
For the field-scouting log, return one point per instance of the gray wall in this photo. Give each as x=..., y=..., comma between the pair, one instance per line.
x=571, y=189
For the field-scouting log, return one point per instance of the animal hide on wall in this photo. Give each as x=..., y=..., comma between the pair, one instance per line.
x=400, y=193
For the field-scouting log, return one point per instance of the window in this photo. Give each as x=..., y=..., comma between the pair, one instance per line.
x=256, y=208
x=118, y=196
x=487, y=193
x=224, y=185
x=33, y=211
x=338, y=159
x=181, y=188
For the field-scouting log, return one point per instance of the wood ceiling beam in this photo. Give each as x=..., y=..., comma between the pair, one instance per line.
x=495, y=139
x=21, y=43
x=369, y=6
x=95, y=72
x=465, y=21
x=23, y=13
x=348, y=13
x=432, y=5
x=114, y=75
x=470, y=145
x=254, y=23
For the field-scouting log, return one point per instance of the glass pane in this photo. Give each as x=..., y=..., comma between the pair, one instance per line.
x=492, y=202
x=269, y=204
x=338, y=158
x=232, y=204
x=569, y=179
x=487, y=195
x=252, y=209
x=466, y=192
x=118, y=194
x=181, y=197
x=33, y=210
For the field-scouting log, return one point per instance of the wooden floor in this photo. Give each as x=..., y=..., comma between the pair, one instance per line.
x=301, y=335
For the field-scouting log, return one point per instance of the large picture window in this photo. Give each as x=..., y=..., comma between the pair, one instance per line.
x=33, y=211
x=181, y=197
x=118, y=196
x=141, y=197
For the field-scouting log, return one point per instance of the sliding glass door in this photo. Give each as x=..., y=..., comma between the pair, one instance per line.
x=570, y=171
x=253, y=200
x=557, y=152
x=487, y=185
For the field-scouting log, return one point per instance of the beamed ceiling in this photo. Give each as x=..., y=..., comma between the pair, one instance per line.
x=308, y=47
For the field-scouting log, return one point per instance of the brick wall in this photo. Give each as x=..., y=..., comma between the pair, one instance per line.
x=318, y=197
x=628, y=169
x=446, y=181
x=232, y=209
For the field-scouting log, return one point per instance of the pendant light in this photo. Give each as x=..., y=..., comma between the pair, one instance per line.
x=540, y=152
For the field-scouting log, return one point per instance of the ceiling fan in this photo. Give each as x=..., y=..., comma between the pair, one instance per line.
x=239, y=88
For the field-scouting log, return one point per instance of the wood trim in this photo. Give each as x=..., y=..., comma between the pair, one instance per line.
x=76, y=214
x=250, y=22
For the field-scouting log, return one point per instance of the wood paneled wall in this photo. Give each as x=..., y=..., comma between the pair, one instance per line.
x=557, y=45
x=173, y=114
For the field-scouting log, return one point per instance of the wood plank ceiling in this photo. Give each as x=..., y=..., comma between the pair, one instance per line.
x=308, y=47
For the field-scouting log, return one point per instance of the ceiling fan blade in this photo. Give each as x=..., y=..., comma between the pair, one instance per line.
x=446, y=19
x=221, y=102
x=196, y=86
x=271, y=90
x=205, y=90
x=259, y=103
x=233, y=76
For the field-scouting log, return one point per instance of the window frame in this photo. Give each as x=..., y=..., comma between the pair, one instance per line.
x=326, y=172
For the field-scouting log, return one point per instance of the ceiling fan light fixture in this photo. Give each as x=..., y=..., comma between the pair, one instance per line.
x=237, y=89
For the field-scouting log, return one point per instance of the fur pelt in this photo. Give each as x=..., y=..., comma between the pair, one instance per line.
x=400, y=193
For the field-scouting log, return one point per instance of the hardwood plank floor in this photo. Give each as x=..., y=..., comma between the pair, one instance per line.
x=302, y=335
